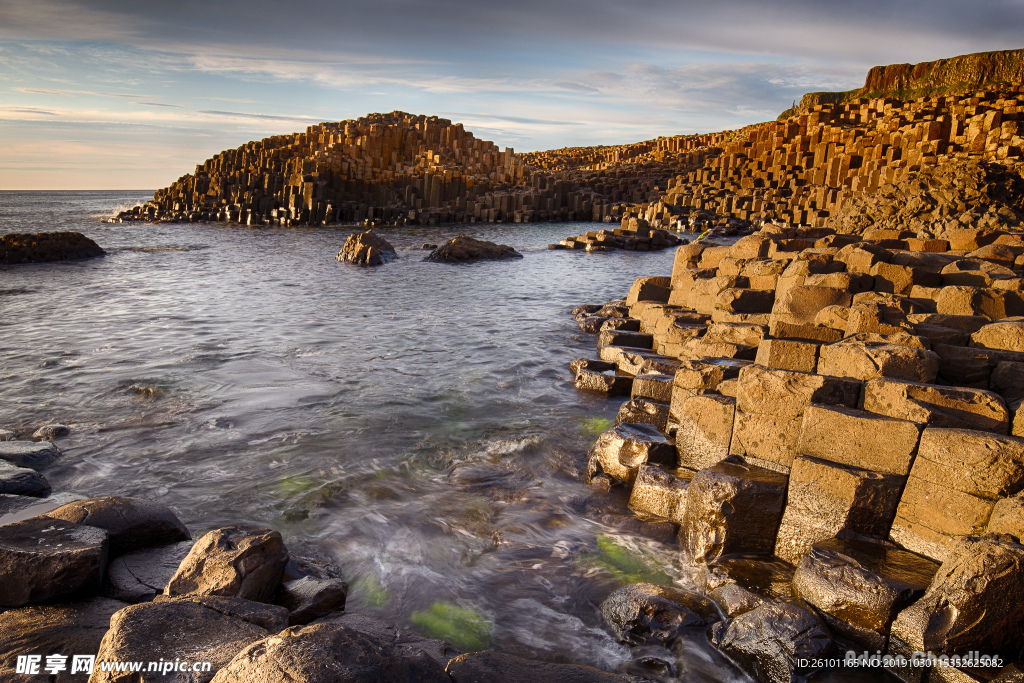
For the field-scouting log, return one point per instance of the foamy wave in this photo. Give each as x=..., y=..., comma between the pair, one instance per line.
x=511, y=446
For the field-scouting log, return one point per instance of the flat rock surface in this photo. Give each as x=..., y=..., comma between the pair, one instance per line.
x=22, y=481
x=42, y=558
x=132, y=523
x=33, y=454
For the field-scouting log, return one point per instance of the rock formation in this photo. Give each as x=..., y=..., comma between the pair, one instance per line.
x=465, y=248
x=847, y=403
x=47, y=246
x=367, y=249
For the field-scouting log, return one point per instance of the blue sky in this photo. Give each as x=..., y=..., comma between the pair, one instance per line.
x=115, y=94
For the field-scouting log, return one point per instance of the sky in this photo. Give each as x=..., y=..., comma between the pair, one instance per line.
x=131, y=94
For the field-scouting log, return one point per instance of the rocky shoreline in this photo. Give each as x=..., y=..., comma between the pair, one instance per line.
x=86, y=582
x=845, y=410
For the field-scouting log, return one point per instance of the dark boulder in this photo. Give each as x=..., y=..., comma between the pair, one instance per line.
x=31, y=454
x=464, y=248
x=43, y=558
x=21, y=481
x=769, y=641
x=309, y=598
x=366, y=249
x=47, y=246
x=132, y=523
x=51, y=431
x=390, y=637
x=646, y=614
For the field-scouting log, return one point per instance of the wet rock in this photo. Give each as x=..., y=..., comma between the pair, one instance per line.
x=47, y=246
x=860, y=587
x=735, y=600
x=132, y=523
x=51, y=431
x=31, y=454
x=308, y=598
x=607, y=383
x=142, y=575
x=68, y=628
x=761, y=573
x=826, y=498
x=584, y=309
x=464, y=248
x=620, y=451
x=643, y=411
x=325, y=653
x=367, y=249
x=769, y=641
x=973, y=603
x=235, y=561
x=8, y=435
x=643, y=613
x=21, y=481
x=733, y=507
x=593, y=324
x=177, y=629
x=659, y=492
x=42, y=558
x=496, y=667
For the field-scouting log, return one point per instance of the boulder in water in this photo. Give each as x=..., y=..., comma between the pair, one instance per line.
x=47, y=246
x=466, y=248
x=367, y=249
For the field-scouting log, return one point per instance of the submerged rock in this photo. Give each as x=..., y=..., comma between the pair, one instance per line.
x=367, y=249
x=466, y=248
x=643, y=613
x=51, y=431
x=47, y=246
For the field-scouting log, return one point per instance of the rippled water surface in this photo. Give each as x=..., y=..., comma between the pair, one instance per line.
x=416, y=423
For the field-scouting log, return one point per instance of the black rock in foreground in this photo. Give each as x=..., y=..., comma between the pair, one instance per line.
x=47, y=246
